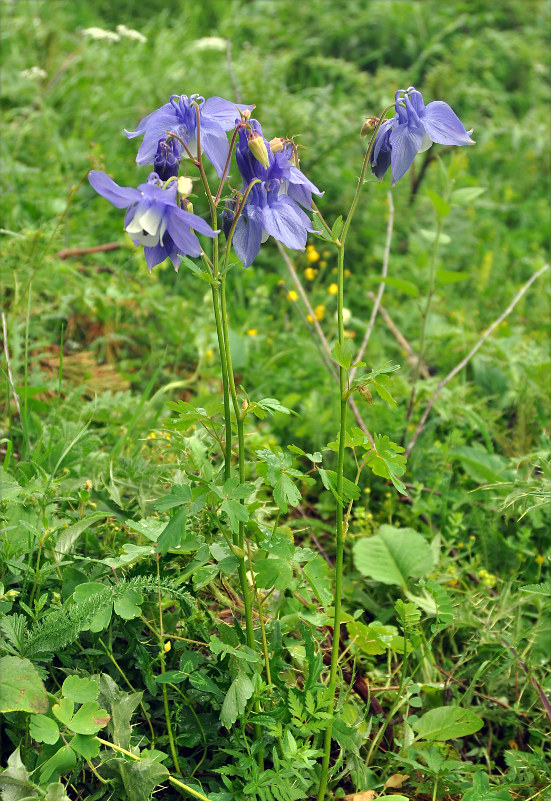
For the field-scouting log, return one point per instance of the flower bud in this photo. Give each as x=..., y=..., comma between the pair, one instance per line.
x=365, y=393
x=246, y=114
x=185, y=186
x=276, y=144
x=167, y=160
x=368, y=125
x=259, y=150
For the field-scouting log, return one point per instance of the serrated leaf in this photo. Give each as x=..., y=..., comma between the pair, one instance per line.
x=350, y=491
x=236, y=512
x=286, y=493
x=44, y=729
x=538, y=589
x=235, y=702
x=21, y=688
x=393, y=555
x=447, y=723
x=80, y=690
x=180, y=494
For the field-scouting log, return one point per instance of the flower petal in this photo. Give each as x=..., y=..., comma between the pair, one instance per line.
x=223, y=112
x=286, y=222
x=215, y=144
x=160, y=123
x=247, y=236
x=443, y=125
x=405, y=142
x=119, y=196
x=184, y=238
x=154, y=255
x=190, y=220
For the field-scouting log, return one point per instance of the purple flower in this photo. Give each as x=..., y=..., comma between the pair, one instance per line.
x=154, y=219
x=179, y=116
x=412, y=130
x=271, y=208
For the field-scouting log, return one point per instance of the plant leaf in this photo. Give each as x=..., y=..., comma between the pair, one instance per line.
x=447, y=723
x=21, y=688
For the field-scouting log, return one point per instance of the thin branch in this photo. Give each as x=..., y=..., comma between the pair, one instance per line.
x=384, y=272
x=397, y=334
x=457, y=369
x=321, y=336
x=68, y=252
x=7, y=354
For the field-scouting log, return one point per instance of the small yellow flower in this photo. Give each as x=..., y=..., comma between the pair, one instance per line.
x=312, y=255
x=333, y=289
x=252, y=332
x=309, y=318
x=167, y=646
x=209, y=355
x=88, y=486
x=347, y=273
x=460, y=544
x=292, y=295
x=540, y=559
x=323, y=264
x=310, y=273
x=319, y=312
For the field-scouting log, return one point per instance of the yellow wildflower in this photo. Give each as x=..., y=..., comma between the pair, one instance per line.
x=323, y=264
x=252, y=332
x=347, y=273
x=292, y=295
x=312, y=254
x=319, y=312
x=309, y=318
x=167, y=646
x=333, y=289
x=540, y=559
x=310, y=273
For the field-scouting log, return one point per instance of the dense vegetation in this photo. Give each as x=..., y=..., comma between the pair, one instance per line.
x=125, y=663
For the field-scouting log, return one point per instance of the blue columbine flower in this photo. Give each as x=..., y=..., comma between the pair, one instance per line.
x=154, y=219
x=178, y=116
x=412, y=130
x=271, y=208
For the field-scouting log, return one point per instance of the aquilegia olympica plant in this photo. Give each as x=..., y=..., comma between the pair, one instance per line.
x=273, y=199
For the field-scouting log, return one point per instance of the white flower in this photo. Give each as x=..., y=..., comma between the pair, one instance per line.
x=34, y=73
x=131, y=33
x=100, y=33
x=210, y=43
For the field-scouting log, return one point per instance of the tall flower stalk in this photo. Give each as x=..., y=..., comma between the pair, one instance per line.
x=340, y=521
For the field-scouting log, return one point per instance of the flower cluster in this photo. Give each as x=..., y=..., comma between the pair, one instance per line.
x=273, y=188
x=272, y=205
x=413, y=129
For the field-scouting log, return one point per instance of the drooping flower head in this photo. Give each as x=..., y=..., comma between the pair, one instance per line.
x=154, y=218
x=412, y=130
x=272, y=206
x=179, y=116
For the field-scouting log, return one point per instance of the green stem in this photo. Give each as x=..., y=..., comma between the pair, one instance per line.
x=424, y=317
x=173, y=751
x=340, y=527
x=171, y=779
x=332, y=686
x=239, y=540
